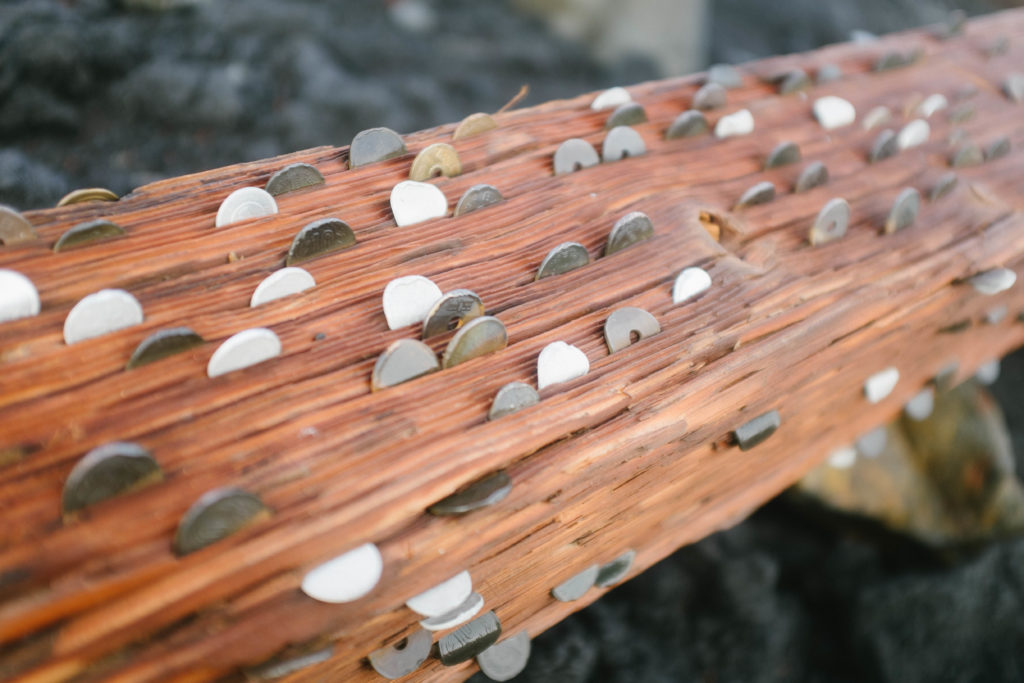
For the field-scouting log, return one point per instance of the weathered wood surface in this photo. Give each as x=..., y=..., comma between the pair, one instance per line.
x=634, y=455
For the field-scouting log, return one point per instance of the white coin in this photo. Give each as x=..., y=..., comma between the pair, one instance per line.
x=347, y=577
x=872, y=444
x=622, y=142
x=408, y=300
x=842, y=457
x=739, y=123
x=464, y=612
x=876, y=117
x=913, y=134
x=834, y=112
x=18, y=296
x=282, y=283
x=994, y=281
x=444, y=597
x=246, y=203
x=414, y=202
x=560, y=362
x=988, y=372
x=881, y=384
x=246, y=348
x=932, y=104
x=690, y=283
x=921, y=405
x=105, y=311
x=612, y=97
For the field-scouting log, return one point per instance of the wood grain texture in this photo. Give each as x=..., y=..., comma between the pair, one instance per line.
x=636, y=454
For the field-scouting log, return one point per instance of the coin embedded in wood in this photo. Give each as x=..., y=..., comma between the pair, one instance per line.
x=162, y=344
x=690, y=283
x=373, y=145
x=403, y=657
x=892, y=60
x=871, y=444
x=469, y=640
x=565, y=257
x=612, y=97
x=921, y=405
x=560, y=362
x=998, y=47
x=834, y=112
x=452, y=311
x=931, y=104
x=628, y=114
x=725, y=75
x=968, y=154
x=294, y=177
x=474, y=124
x=843, y=457
x=885, y=145
x=828, y=73
x=18, y=296
x=962, y=113
x=762, y=193
x=320, y=237
x=443, y=597
x=108, y=471
x=14, y=227
x=615, y=571
x=944, y=185
x=622, y=142
x=994, y=316
x=455, y=616
x=878, y=116
x=573, y=155
x=785, y=153
x=1013, y=87
x=438, y=159
x=512, y=398
x=813, y=175
x=281, y=283
x=86, y=233
x=88, y=194
x=480, y=494
x=687, y=124
x=105, y=311
x=756, y=431
x=575, y=586
x=414, y=202
x=831, y=223
x=998, y=148
x=988, y=372
x=709, y=96
x=408, y=300
x=347, y=577
x=738, y=123
x=404, y=360
x=478, y=197
x=478, y=337
x=626, y=323
x=794, y=81
x=993, y=281
x=914, y=134
x=247, y=348
x=215, y=516
x=505, y=660
x=631, y=229
x=244, y=204
x=287, y=664
x=904, y=210
x=879, y=385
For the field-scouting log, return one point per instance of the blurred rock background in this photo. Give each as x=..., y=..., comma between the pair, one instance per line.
x=118, y=93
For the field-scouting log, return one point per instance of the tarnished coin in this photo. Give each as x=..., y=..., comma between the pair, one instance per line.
x=247, y=348
x=794, y=81
x=922, y=404
x=244, y=204
x=469, y=640
x=287, y=664
x=622, y=142
x=476, y=338
x=347, y=577
x=573, y=155
x=162, y=344
x=884, y=146
x=320, y=237
x=831, y=223
x=877, y=116
x=690, y=283
x=414, y=202
x=968, y=154
x=560, y=362
x=88, y=194
x=871, y=444
x=408, y=300
x=998, y=148
x=438, y=159
x=616, y=570
x=828, y=73
x=904, y=210
x=443, y=597
x=612, y=97
x=737, y=123
x=107, y=471
x=879, y=385
x=762, y=193
x=993, y=281
x=215, y=516
x=452, y=311
x=86, y=233
x=478, y=197
x=474, y=124
x=281, y=283
x=373, y=145
x=403, y=657
x=813, y=175
x=575, y=586
x=505, y=660
x=480, y=494
x=756, y=431
x=563, y=258
x=628, y=114
x=725, y=75
x=1013, y=87
x=834, y=112
x=962, y=113
x=709, y=96
x=404, y=360
x=14, y=227
x=785, y=153
x=632, y=228
x=512, y=398
x=997, y=47
x=944, y=185
x=914, y=134
x=294, y=177
x=105, y=311
x=687, y=124
x=18, y=296
x=457, y=615
x=892, y=60
x=627, y=323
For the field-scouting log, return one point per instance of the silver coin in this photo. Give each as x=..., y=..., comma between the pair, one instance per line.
x=622, y=142
x=573, y=155
x=631, y=229
x=1013, y=87
x=944, y=185
x=998, y=47
x=829, y=73
x=946, y=376
x=794, y=81
x=626, y=323
x=478, y=197
x=442, y=598
x=86, y=233
x=478, y=337
x=613, y=572
x=562, y=259
x=280, y=284
x=559, y=362
x=414, y=202
x=105, y=311
x=469, y=640
x=762, y=193
x=108, y=471
x=452, y=311
x=894, y=60
x=14, y=227
x=512, y=398
x=162, y=344
x=885, y=145
x=962, y=113
x=724, y=75
x=784, y=154
x=438, y=159
x=920, y=406
x=756, y=431
x=215, y=516
x=878, y=386
x=988, y=372
x=505, y=660
x=993, y=281
x=876, y=117
x=245, y=349
x=18, y=296
x=294, y=177
x=403, y=657
x=244, y=204
x=347, y=577
x=474, y=124
x=904, y=210
x=481, y=493
x=575, y=586
x=872, y=444
x=687, y=124
x=831, y=223
x=709, y=96
x=968, y=154
x=457, y=615
x=996, y=315
x=408, y=300
x=373, y=145
x=404, y=360
x=998, y=148
x=320, y=237
x=285, y=665
x=813, y=175
x=628, y=114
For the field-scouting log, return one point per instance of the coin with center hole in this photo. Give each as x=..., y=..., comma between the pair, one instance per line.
x=904, y=210
x=320, y=237
x=438, y=159
x=404, y=360
x=622, y=142
x=687, y=124
x=14, y=227
x=215, y=516
x=408, y=300
x=105, y=311
x=108, y=471
x=573, y=155
x=452, y=311
x=244, y=204
x=247, y=348
x=627, y=323
x=163, y=344
x=628, y=114
x=86, y=233
x=88, y=194
x=474, y=124
x=562, y=259
x=831, y=223
x=18, y=296
x=402, y=658
x=478, y=197
x=505, y=660
x=373, y=145
x=443, y=597
x=294, y=177
x=347, y=577
x=631, y=229
x=756, y=431
x=414, y=202
x=480, y=494
x=575, y=586
x=512, y=398
x=709, y=96
x=616, y=570
x=476, y=338
x=885, y=145
x=785, y=153
x=281, y=283
x=469, y=640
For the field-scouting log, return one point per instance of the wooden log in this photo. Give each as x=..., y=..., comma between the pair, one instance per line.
x=637, y=454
